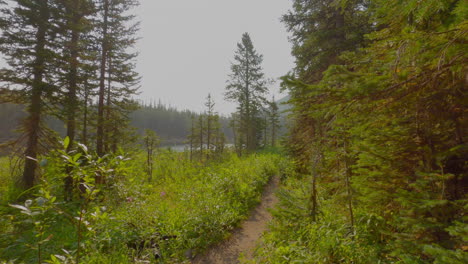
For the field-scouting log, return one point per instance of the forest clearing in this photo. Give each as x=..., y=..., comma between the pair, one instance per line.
x=312, y=132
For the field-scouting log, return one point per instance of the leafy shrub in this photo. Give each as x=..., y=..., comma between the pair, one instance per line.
x=183, y=210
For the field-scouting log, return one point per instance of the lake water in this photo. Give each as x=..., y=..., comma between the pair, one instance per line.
x=182, y=148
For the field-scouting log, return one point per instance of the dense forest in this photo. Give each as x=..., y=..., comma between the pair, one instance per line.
x=378, y=138
x=170, y=124
x=369, y=165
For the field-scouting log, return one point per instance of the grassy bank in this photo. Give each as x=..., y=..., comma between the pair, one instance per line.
x=184, y=209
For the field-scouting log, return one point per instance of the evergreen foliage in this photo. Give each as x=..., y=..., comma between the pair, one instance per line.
x=29, y=47
x=171, y=125
x=379, y=132
x=118, y=80
x=247, y=87
x=377, y=139
x=274, y=122
x=50, y=49
x=206, y=133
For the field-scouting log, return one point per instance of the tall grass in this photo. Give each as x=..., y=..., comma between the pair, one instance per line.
x=8, y=186
x=186, y=208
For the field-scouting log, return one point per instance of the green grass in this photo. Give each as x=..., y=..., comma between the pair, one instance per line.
x=187, y=207
x=293, y=236
x=7, y=181
x=4, y=179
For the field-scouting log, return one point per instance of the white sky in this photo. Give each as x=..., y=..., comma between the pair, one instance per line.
x=187, y=46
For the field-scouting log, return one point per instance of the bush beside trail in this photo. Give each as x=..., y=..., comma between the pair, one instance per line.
x=185, y=209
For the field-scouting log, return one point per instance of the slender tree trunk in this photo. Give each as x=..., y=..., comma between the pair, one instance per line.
x=149, y=159
x=248, y=122
x=35, y=108
x=273, y=134
x=235, y=132
x=248, y=112
x=102, y=84
x=208, y=134
x=192, y=134
x=72, y=99
x=241, y=131
x=201, y=136
x=108, y=124
x=348, y=175
x=313, y=196
x=265, y=133
x=85, y=115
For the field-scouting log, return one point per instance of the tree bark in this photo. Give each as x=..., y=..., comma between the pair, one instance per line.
x=102, y=82
x=348, y=175
x=35, y=108
x=313, y=196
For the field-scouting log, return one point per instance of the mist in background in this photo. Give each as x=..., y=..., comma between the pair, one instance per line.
x=186, y=47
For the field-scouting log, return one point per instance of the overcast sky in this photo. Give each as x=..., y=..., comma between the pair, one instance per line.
x=187, y=46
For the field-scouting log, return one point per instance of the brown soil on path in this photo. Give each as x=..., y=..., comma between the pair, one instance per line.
x=244, y=239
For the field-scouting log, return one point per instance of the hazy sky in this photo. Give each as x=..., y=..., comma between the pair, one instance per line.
x=187, y=46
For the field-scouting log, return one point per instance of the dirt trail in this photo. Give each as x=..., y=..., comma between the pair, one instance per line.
x=244, y=239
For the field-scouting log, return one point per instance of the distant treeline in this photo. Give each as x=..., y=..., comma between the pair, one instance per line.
x=170, y=124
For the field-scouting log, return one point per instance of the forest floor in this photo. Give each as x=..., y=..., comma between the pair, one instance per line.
x=244, y=239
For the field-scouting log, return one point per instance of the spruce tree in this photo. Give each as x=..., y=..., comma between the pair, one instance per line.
x=118, y=80
x=27, y=43
x=379, y=123
x=215, y=138
x=273, y=120
x=74, y=25
x=209, y=104
x=105, y=42
x=247, y=87
x=151, y=142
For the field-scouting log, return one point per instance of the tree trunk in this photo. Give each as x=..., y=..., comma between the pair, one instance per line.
x=108, y=124
x=208, y=134
x=35, y=108
x=265, y=133
x=273, y=133
x=348, y=174
x=85, y=115
x=72, y=103
x=201, y=136
x=313, y=196
x=72, y=99
x=102, y=83
x=192, y=135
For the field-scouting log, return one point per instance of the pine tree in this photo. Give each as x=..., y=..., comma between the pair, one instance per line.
x=151, y=142
x=215, y=138
x=378, y=122
x=321, y=31
x=206, y=131
x=27, y=43
x=209, y=121
x=273, y=120
x=118, y=80
x=218, y=136
x=105, y=42
x=235, y=125
x=247, y=87
x=74, y=24
x=192, y=137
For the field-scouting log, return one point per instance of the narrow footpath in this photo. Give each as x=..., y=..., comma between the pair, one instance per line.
x=244, y=239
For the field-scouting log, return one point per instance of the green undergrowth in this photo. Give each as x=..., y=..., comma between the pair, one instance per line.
x=294, y=237
x=4, y=177
x=7, y=182
x=183, y=210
